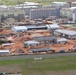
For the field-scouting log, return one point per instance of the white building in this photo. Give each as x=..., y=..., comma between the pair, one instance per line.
x=19, y=28
x=31, y=43
x=60, y=4
x=69, y=13
x=53, y=26
x=5, y=52
x=69, y=34
x=61, y=40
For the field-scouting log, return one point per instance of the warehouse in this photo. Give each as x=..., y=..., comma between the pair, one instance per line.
x=44, y=13
x=65, y=33
x=31, y=43
x=26, y=28
x=7, y=44
x=40, y=27
x=46, y=39
x=19, y=28
x=53, y=26
x=4, y=52
x=61, y=41
x=41, y=50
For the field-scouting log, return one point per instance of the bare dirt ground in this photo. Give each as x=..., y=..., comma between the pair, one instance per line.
x=15, y=68
x=10, y=68
x=70, y=72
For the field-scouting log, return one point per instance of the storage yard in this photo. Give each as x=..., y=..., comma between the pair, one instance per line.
x=34, y=32
x=32, y=28
x=37, y=40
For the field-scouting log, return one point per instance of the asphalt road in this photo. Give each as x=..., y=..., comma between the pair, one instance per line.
x=34, y=56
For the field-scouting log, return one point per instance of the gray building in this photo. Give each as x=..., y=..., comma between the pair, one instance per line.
x=46, y=39
x=73, y=4
x=31, y=43
x=65, y=33
x=44, y=13
x=41, y=50
x=60, y=4
x=11, y=12
x=27, y=6
x=19, y=28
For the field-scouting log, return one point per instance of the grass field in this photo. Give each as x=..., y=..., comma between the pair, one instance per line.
x=14, y=2
x=39, y=67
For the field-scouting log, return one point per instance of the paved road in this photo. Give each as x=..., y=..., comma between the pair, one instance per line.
x=33, y=56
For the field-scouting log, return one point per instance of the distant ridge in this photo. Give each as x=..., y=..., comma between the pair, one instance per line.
x=15, y=2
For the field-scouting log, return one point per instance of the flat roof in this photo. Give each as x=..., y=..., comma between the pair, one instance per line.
x=1, y=51
x=61, y=39
x=37, y=35
x=72, y=8
x=60, y=2
x=7, y=44
x=31, y=42
x=41, y=26
x=53, y=26
x=20, y=27
x=45, y=38
x=67, y=32
x=40, y=49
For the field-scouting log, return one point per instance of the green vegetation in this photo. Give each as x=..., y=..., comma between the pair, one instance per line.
x=30, y=66
x=1, y=42
x=14, y=2
x=11, y=2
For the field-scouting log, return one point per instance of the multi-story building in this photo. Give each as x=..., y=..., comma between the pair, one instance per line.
x=44, y=13
x=11, y=12
x=27, y=6
x=69, y=13
x=60, y=4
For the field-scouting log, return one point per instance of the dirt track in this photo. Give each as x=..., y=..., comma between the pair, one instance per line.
x=10, y=68
x=70, y=72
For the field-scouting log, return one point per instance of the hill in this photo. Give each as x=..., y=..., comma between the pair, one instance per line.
x=14, y=2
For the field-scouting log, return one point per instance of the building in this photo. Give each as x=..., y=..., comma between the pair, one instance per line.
x=37, y=27
x=4, y=52
x=27, y=9
x=0, y=18
x=60, y=4
x=41, y=50
x=65, y=33
x=12, y=12
x=44, y=13
x=26, y=28
x=53, y=26
x=69, y=13
x=61, y=41
x=19, y=28
x=28, y=6
x=73, y=4
x=31, y=43
x=46, y=39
